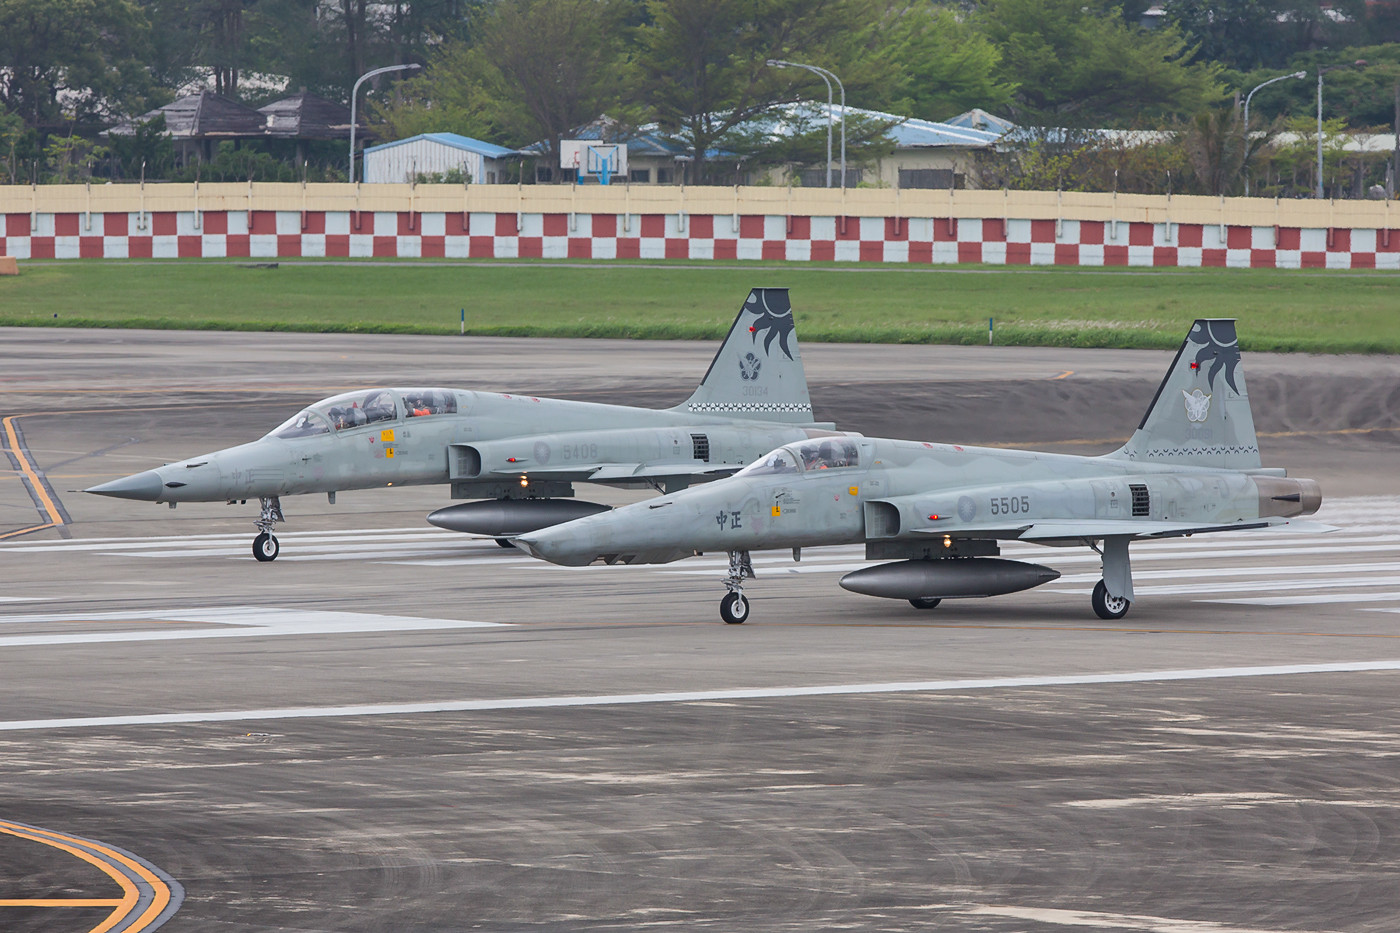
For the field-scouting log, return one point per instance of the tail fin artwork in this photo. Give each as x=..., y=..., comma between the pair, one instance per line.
x=757, y=372
x=1200, y=415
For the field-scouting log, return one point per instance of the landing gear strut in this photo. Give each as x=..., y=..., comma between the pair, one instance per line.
x=734, y=607
x=1117, y=578
x=265, y=546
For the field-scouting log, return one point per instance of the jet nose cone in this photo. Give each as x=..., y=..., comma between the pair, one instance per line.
x=556, y=546
x=145, y=486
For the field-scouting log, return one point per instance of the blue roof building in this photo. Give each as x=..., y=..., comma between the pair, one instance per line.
x=404, y=160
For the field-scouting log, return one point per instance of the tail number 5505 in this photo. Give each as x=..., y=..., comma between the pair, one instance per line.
x=1010, y=505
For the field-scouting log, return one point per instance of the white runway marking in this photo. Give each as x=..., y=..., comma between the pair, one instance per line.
x=239, y=622
x=1313, y=600
x=1107, y=921
x=748, y=693
x=1199, y=589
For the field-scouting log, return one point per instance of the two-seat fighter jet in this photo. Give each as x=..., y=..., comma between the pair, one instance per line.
x=521, y=453
x=940, y=511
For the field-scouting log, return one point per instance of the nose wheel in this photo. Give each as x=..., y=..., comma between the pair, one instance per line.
x=265, y=547
x=734, y=607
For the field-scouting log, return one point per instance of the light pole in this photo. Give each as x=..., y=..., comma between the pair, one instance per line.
x=1321, y=70
x=1248, y=97
x=824, y=75
x=354, y=92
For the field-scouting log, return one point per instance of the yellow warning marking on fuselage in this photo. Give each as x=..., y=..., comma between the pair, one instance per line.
x=106, y=859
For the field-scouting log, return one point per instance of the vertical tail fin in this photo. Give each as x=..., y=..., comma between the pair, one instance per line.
x=1200, y=415
x=757, y=372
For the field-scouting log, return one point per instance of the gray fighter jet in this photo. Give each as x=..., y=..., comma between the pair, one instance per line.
x=521, y=453
x=940, y=511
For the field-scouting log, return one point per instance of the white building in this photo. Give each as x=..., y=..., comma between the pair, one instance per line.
x=405, y=160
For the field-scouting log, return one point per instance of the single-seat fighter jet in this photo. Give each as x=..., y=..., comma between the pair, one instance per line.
x=521, y=453
x=940, y=511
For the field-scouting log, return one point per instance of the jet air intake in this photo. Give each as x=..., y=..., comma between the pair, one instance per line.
x=949, y=578
x=505, y=518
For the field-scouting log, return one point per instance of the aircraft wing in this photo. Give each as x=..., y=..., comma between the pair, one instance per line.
x=624, y=472
x=619, y=472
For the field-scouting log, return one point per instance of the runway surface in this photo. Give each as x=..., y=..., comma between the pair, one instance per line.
x=394, y=727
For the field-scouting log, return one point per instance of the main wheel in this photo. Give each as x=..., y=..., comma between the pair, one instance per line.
x=265, y=547
x=734, y=608
x=504, y=542
x=1106, y=606
x=925, y=602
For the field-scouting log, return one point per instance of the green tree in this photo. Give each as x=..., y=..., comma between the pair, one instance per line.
x=1217, y=148
x=449, y=96
x=70, y=159
x=14, y=146
x=700, y=64
x=148, y=152
x=940, y=65
x=71, y=61
x=1082, y=64
x=544, y=67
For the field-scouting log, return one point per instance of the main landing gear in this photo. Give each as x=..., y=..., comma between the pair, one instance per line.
x=265, y=546
x=1108, y=607
x=1117, y=574
x=734, y=607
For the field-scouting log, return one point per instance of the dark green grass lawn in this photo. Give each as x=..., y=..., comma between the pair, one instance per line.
x=1317, y=311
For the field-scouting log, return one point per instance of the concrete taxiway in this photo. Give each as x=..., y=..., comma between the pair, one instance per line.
x=393, y=727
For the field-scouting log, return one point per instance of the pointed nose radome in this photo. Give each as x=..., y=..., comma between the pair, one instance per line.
x=145, y=486
x=558, y=545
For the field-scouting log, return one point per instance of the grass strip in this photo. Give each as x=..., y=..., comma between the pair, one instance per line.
x=1279, y=310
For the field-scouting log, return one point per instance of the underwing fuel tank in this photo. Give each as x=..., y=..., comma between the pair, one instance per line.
x=503, y=518
x=948, y=578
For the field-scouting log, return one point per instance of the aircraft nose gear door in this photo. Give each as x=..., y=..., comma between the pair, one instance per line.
x=734, y=607
x=265, y=546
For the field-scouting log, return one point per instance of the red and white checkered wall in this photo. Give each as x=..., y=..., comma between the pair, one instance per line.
x=289, y=234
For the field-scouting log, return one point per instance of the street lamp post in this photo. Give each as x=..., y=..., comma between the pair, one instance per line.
x=354, y=92
x=824, y=75
x=1321, y=70
x=1248, y=97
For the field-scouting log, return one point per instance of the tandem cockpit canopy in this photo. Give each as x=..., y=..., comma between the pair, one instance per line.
x=829, y=453
x=366, y=407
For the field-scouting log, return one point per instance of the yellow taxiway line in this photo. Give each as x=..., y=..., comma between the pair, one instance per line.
x=12, y=438
x=116, y=865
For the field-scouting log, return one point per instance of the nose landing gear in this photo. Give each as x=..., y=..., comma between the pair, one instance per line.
x=734, y=607
x=265, y=546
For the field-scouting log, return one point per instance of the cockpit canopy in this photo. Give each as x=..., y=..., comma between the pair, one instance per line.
x=365, y=407
x=828, y=453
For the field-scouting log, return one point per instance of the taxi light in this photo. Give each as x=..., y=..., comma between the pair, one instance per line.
x=524, y=481
x=947, y=541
